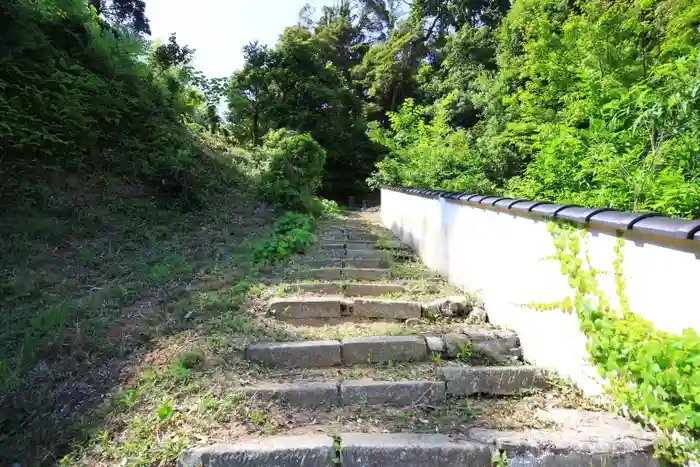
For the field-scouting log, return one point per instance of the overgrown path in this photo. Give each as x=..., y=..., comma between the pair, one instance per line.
x=376, y=361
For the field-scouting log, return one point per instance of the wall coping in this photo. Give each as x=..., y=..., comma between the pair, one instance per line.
x=644, y=222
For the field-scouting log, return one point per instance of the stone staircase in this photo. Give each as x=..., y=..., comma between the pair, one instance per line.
x=443, y=387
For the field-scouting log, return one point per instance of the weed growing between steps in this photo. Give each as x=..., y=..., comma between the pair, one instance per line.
x=653, y=376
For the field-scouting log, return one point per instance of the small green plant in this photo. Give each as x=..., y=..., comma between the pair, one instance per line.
x=382, y=244
x=257, y=289
x=337, y=446
x=435, y=357
x=402, y=416
x=499, y=458
x=465, y=351
x=182, y=364
x=129, y=398
x=84, y=257
x=165, y=410
x=466, y=409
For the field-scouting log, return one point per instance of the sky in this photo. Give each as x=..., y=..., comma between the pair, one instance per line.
x=218, y=29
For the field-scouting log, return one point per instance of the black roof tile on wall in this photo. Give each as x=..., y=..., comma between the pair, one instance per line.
x=645, y=222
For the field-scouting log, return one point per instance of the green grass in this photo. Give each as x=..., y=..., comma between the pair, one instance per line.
x=82, y=289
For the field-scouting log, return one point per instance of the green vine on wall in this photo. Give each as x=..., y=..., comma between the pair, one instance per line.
x=653, y=376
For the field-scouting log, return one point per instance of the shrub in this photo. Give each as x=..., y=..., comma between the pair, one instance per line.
x=292, y=234
x=295, y=169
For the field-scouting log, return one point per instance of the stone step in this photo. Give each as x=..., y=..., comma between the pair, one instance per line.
x=318, y=288
x=322, y=274
x=350, y=392
x=375, y=349
x=323, y=263
x=301, y=354
x=497, y=380
x=360, y=245
x=318, y=354
x=334, y=254
x=349, y=290
x=306, y=307
x=503, y=347
x=365, y=274
x=386, y=309
x=371, y=290
x=334, y=305
x=454, y=381
x=396, y=393
x=366, y=263
x=366, y=254
x=332, y=246
x=581, y=439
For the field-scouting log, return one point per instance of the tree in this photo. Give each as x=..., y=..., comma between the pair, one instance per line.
x=250, y=96
x=167, y=56
x=127, y=13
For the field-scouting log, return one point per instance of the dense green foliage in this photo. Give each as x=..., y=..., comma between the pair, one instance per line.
x=592, y=102
x=296, y=86
x=654, y=376
x=81, y=96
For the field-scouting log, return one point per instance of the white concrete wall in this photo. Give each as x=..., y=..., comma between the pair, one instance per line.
x=499, y=256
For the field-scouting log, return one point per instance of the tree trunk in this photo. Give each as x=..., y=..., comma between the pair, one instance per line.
x=256, y=136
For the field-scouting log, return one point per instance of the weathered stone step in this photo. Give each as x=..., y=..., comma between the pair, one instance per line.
x=365, y=263
x=365, y=274
x=340, y=262
x=497, y=380
x=349, y=290
x=318, y=288
x=583, y=439
x=315, y=354
x=332, y=246
x=366, y=254
x=340, y=237
x=322, y=274
x=386, y=309
x=333, y=274
x=375, y=349
x=306, y=307
x=457, y=381
x=323, y=263
x=334, y=305
x=277, y=451
x=371, y=290
x=300, y=354
x=355, y=245
x=350, y=392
